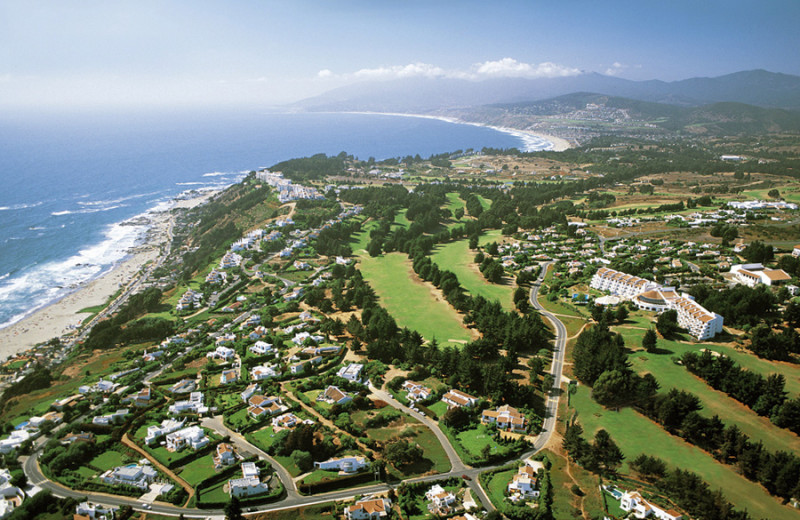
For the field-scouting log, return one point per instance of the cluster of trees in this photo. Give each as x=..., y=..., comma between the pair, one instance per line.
x=109, y=333
x=727, y=232
x=767, y=343
x=304, y=438
x=492, y=269
x=739, y=305
x=765, y=395
x=315, y=167
x=39, y=378
x=687, y=489
x=333, y=241
x=601, y=456
x=600, y=361
x=758, y=252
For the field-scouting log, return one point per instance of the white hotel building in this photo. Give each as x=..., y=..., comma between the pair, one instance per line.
x=700, y=322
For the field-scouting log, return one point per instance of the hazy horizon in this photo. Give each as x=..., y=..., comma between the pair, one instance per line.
x=204, y=54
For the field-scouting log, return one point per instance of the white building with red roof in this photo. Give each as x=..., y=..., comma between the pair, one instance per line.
x=368, y=509
x=505, y=417
x=457, y=399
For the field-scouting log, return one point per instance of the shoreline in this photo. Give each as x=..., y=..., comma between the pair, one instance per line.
x=558, y=144
x=63, y=316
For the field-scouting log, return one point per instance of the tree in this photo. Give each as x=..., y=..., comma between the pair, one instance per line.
x=233, y=510
x=775, y=194
x=574, y=443
x=402, y=452
x=459, y=214
x=622, y=314
x=650, y=341
x=456, y=418
x=302, y=459
x=614, y=388
x=667, y=323
x=606, y=453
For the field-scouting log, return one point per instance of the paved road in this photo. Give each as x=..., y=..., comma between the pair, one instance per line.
x=294, y=499
x=551, y=414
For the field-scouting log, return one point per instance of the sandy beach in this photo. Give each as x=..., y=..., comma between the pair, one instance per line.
x=559, y=144
x=63, y=316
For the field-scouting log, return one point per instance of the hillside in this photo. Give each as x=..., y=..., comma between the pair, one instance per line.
x=756, y=87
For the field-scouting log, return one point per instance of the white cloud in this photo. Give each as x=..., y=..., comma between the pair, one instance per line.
x=511, y=68
x=402, y=71
x=616, y=68
x=503, y=68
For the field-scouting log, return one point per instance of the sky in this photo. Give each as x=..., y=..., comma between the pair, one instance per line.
x=86, y=53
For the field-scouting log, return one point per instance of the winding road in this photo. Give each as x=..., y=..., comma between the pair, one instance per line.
x=293, y=499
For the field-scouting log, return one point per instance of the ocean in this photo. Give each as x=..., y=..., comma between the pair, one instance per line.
x=72, y=182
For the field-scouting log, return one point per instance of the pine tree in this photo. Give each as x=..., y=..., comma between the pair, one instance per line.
x=649, y=341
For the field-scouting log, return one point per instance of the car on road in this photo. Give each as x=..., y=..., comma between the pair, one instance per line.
x=146, y=505
x=466, y=477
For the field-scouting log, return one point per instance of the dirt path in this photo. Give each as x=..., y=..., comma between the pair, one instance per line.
x=185, y=485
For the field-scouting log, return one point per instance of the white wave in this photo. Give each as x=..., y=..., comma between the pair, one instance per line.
x=191, y=183
x=21, y=206
x=44, y=284
x=5, y=276
x=115, y=201
x=218, y=174
x=87, y=210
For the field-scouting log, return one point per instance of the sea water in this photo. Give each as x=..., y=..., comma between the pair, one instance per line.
x=71, y=182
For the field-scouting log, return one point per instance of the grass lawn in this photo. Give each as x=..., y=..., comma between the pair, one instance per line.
x=288, y=465
x=215, y=493
x=432, y=449
x=263, y=438
x=439, y=408
x=670, y=375
x=635, y=434
x=198, y=470
x=457, y=257
x=320, y=475
x=314, y=512
x=412, y=304
x=108, y=460
x=497, y=486
x=86, y=472
x=476, y=439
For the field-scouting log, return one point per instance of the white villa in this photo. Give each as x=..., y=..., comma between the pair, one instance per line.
x=505, y=417
x=221, y=352
x=250, y=483
x=261, y=406
x=351, y=372
x=193, y=405
x=132, y=475
x=524, y=484
x=193, y=436
x=225, y=455
x=334, y=395
x=416, y=391
x=261, y=348
x=754, y=274
x=262, y=372
x=350, y=464
x=250, y=391
x=167, y=426
x=288, y=420
x=368, y=509
x=632, y=501
x=440, y=500
x=456, y=399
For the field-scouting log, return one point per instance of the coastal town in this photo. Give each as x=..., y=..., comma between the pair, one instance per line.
x=266, y=374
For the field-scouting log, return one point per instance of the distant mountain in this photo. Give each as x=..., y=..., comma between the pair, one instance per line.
x=716, y=118
x=756, y=87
